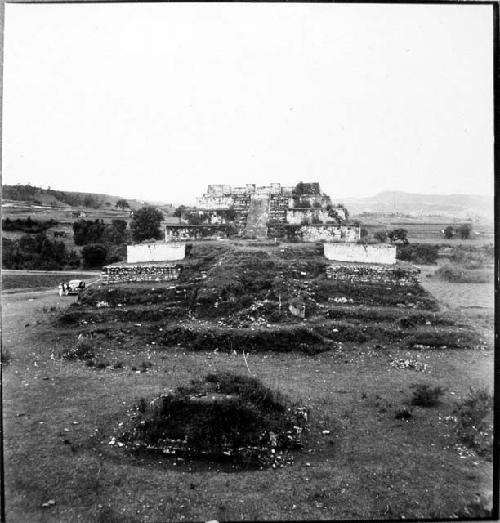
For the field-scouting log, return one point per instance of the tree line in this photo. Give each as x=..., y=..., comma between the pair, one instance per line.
x=101, y=242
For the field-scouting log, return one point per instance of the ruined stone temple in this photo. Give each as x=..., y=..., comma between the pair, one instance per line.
x=299, y=213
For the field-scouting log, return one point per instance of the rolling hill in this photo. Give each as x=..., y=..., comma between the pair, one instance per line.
x=29, y=194
x=460, y=206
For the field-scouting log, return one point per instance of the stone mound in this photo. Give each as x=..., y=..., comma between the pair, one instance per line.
x=223, y=417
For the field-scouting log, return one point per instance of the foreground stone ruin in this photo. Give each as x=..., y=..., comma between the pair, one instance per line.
x=223, y=417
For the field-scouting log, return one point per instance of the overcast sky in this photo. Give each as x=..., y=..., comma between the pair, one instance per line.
x=155, y=101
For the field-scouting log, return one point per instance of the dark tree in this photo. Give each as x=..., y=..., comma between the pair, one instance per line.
x=116, y=231
x=88, y=231
x=122, y=204
x=449, y=232
x=179, y=211
x=94, y=255
x=398, y=235
x=145, y=224
x=381, y=236
x=194, y=218
x=465, y=231
x=92, y=201
x=36, y=252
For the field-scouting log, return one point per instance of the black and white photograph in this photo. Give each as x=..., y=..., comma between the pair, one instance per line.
x=248, y=261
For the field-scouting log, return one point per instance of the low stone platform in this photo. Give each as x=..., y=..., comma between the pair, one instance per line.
x=360, y=253
x=139, y=272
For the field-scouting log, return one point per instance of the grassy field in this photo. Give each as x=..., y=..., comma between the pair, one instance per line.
x=359, y=461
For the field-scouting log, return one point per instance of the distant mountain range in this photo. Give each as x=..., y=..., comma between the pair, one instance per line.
x=461, y=206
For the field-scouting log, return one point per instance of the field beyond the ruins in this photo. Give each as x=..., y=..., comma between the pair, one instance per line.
x=354, y=361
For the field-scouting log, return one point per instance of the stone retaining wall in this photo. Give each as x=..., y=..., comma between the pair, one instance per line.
x=340, y=233
x=175, y=233
x=139, y=273
x=354, y=273
x=314, y=233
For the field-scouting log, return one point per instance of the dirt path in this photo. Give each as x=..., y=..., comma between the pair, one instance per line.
x=22, y=272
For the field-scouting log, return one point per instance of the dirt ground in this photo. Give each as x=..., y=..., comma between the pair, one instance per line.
x=360, y=462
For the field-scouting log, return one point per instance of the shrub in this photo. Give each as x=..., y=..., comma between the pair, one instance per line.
x=465, y=231
x=398, y=235
x=426, y=396
x=456, y=274
x=480, y=507
x=449, y=232
x=403, y=414
x=6, y=357
x=473, y=427
x=420, y=253
x=145, y=365
x=83, y=350
x=381, y=236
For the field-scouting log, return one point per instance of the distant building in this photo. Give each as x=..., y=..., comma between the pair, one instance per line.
x=304, y=205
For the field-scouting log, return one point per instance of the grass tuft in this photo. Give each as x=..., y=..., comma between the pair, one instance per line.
x=403, y=414
x=473, y=421
x=82, y=350
x=426, y=396
x=6, y=357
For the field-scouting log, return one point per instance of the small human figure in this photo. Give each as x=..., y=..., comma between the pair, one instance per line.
x=60, y=289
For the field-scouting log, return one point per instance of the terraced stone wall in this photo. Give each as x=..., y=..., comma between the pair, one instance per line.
x=175, y=233
x=359, y=273
x=139, y=273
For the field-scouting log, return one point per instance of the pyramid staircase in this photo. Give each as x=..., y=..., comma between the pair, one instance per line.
x=258, y=216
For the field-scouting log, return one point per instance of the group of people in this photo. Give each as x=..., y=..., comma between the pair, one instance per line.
x=63, y=288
